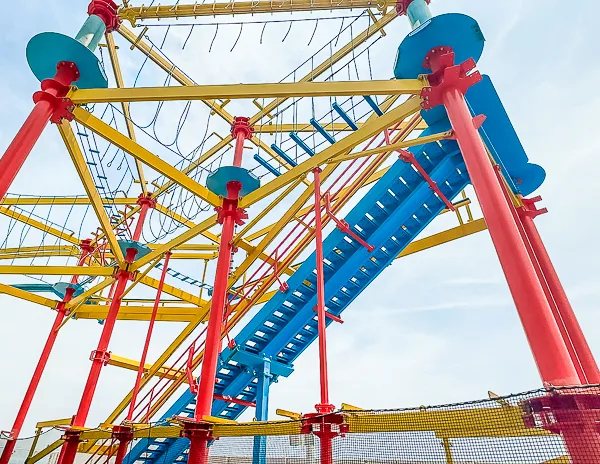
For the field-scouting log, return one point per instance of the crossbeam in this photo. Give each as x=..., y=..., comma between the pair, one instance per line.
x=133, y=14
x=249, y=91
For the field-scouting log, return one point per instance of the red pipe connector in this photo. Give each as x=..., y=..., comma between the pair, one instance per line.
x=241, y=125
x=402, y=6
x=146, y=200
x=106, y=10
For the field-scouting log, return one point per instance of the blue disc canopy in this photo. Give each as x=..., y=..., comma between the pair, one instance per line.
x=217, y=180
x=46, y=50
x=142, y=250
x=458, y=31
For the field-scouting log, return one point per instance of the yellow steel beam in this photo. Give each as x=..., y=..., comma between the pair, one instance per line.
x=132, y=365
x=271, y=128
x=392, y=147
x=90, y=187
x=45, y=452
x=246, y=91
x=62, y=201
x=114, y=59
x=79, y=299
x=173, y=291
x=139, y=313
x=446, y=236
x=344, y=146
x=53, y=423
x=179, y=240
x=27, y=296
x=189, y=246
x=59, y=270
x=39, y=225
x=138, y=152
x=134, y=13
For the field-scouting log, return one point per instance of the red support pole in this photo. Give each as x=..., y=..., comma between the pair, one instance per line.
x=140, y=371
x=100, y=357
x=229, y=214
x=538, y=270
x=47, y=102
x=61, y=312
x=449, y=84
x=565, y=311
x=145, y=202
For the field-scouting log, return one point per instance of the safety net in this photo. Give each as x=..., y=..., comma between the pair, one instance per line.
x=553, y=426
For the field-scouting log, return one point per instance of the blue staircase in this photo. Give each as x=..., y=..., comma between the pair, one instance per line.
x=396, y=209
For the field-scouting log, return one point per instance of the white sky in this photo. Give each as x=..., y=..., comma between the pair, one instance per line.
x=436, y=327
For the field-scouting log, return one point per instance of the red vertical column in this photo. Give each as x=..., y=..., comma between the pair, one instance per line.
x=449, y=84
x=47, y=102
x=229, y=215
x=99, y=357
x=584, y=354
x=61, y=312
x=145, y=202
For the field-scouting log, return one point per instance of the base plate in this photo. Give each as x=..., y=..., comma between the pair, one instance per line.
x=142, y=250
x=461, y=32
x=46, y=50
x=217, y=180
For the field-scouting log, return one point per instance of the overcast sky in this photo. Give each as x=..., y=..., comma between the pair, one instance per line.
x=436, y=327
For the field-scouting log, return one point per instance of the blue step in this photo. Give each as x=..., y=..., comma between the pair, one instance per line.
x=396, y=209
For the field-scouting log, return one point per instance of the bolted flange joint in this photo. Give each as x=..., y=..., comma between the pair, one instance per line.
x=122, y=433
x=239, y=214
x=146, y=200
x=86, y=246
x=241, y=125
x=102, y=356
x=106, y=10
x=54, y=91
x=402, y=6
x=446, y=75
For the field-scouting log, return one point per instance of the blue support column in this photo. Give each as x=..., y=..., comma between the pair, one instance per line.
x=259, y=454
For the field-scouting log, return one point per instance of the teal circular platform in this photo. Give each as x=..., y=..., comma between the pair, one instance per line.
x=46, y=50
x=142, y=250
x=458, y=31
x=217, y=180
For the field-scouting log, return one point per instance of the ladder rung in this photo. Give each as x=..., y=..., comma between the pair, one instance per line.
x=302, y=144
x=265, y=164
x=373, y=105
x=344, y=116
x=283, y=155
x=321, y=130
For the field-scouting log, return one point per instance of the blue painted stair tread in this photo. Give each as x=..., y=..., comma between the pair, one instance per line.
x=59, y=288
x=142, y=250
x=396, y=209
x=461, y=32
x=46, y=50
x=217, y=180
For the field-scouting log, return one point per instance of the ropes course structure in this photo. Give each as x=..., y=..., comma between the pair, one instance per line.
x=255, y=213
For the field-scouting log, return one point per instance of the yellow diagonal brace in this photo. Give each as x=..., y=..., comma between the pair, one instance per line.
x=173, y=291
x=89, y=293
x=39, y=225
x=114, y=59
x=137, y=151
x=247, y=91
x=369, y=130
x=88, y=183
x=182, y=238
x=135, y=13
x=27, y=296
x=392, y=147
x=139, y=313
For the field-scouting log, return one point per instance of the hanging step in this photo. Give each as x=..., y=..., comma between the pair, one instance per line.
x=302, y=144
x=321, y=130
x=373, y=105
x=284, y=156
x=265, y=164
x=347, y=119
